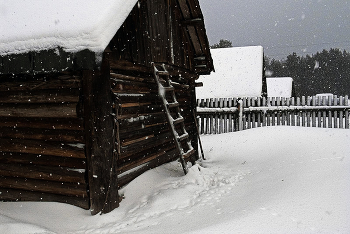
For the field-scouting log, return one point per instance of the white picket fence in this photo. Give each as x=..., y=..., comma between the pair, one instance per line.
x=221, y=115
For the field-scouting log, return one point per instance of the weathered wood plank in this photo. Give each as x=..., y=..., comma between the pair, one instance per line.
x=40, y=159
x=41, y=96
x=43, y=172
x=40, y=147
x=60, y=82
x=42, y=123
x=126, y=177
x=69, y=136
x=129, y=136
x=145, y=144
x=7, y=194
x=62, y=188
x=38, y=110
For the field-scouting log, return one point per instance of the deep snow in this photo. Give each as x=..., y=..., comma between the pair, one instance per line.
x=265, y=180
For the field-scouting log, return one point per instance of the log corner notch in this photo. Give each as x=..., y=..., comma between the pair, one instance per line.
x=99, y=138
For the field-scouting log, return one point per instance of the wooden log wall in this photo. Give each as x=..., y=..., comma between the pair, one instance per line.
x=143, y=137
x=41, y=140
x=221, y=115
x=160, y=36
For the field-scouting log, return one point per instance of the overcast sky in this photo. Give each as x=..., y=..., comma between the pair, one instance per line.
x=280, y=26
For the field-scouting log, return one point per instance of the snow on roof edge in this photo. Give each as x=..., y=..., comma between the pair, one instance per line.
x=73, y=30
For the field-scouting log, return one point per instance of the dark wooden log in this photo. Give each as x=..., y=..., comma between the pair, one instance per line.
x=38, y=110
x=43, y=172
x=129, y=176
x=69, y=136
x=129, y=88
x=41, y=96
x=146, y=156
x=130, y=78
x=40, y=147
x=62, y=188
x=7, y=194
x=73, y=83
x=123, y=65
x=128, y=136
x=145, y=144
x=141, y=122
x=46, y=160
x=131, y=117
x=43, y=123
x=142, y=98
x=141, y=110
x=99, y=138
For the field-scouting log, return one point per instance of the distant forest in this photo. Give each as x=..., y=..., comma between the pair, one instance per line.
x=323, y=72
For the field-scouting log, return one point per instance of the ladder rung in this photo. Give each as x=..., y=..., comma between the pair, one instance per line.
x=173, y=104
x=188, y=153
x=183, y=137
x=178, y=120
x=163, y=73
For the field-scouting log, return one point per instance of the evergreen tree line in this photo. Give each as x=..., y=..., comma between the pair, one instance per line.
x=323, y=72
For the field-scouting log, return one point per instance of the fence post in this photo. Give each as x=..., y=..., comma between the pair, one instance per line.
x=273, y=103
x=341, y=117
x=330, y=100
x=298, y=112
x=303, y=122
x=211, y=130
x=240, y=114
x=259, y=99
x=313, y=112
x=335, y=113
x=346, y=112
x=264, y=112
x=225, y=116
x=308, y=113
x=268, y=115
x=324, y=117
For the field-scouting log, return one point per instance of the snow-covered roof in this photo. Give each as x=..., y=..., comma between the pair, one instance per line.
x=238, y=73
x=72, y=25
x=279, y=86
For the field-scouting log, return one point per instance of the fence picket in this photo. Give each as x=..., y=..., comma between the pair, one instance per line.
x=258, y=104
x=308, y=113
x=220, y=115
x=330, y=122
x=303, y=114
x=335, y=114
x=324, y=116
x=319, y=115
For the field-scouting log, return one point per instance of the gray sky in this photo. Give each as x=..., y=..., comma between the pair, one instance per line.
x=280, y=26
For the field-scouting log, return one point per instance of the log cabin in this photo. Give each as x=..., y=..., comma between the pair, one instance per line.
x=85, y=95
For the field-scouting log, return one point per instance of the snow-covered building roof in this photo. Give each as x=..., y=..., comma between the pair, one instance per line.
x=279, y=86
x=238, y=73
x=71, y=25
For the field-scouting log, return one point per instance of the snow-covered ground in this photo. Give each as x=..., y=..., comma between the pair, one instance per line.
x=265, y=180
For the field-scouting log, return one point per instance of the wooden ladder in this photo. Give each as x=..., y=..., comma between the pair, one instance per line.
x=172, y=109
